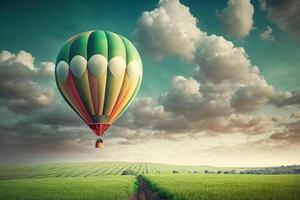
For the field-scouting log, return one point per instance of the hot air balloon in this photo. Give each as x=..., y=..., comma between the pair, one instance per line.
x=98, y=73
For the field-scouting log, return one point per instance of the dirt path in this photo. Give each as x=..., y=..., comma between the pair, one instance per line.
x=144, y=193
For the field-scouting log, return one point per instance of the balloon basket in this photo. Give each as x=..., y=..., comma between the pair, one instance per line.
x=99, y=143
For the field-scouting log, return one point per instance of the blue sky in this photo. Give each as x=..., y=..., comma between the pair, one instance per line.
x=41, y=27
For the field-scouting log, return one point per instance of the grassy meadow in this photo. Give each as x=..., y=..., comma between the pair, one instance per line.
x=97, y=169
x=103, y=181
x=226, y=186
x=79, y=188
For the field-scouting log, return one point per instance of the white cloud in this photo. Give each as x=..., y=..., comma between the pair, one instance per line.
x=19, y=87
x=237, y=18
x=168, y=30
x=209, y=100
x=218, y=60
x=182, y=96
x=251, y=97
x=267, y=34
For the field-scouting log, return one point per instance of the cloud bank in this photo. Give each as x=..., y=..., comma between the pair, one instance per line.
x=225, y=89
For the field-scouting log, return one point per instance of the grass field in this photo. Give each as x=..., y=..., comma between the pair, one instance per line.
x=226, y=187
x=102, y=181
x=91, y=188
x=96, y=169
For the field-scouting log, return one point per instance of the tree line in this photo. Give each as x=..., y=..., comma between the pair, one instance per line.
x=289, y=169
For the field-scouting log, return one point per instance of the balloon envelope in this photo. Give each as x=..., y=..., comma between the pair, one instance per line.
x=99, y=74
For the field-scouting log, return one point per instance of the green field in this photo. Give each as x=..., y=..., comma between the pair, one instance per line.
x=226, y=186
x=91, y=188
x=97, y=169
x=102, y=181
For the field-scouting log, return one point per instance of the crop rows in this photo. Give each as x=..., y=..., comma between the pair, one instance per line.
x=94, y=169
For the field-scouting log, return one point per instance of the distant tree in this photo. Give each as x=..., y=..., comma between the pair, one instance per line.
x=175, y=172
x=219, y=172
x=290, y=169
x=128, y=172
x=206, y=171
x=195, y=172
x=296, y=171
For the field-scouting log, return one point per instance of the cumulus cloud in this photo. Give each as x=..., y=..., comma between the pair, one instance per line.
x=219, y=59
x=182, y=96
x=220, y=62
x=251, y=97
x=143, y=114
x=284, y=13
x=237, y=18
x=19, y=87
x=286, y=98
x=169, y=30
x=267, y=34
x=205, y=102
x=289, y=135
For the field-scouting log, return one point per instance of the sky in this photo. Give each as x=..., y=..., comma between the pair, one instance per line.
x=220, y=82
